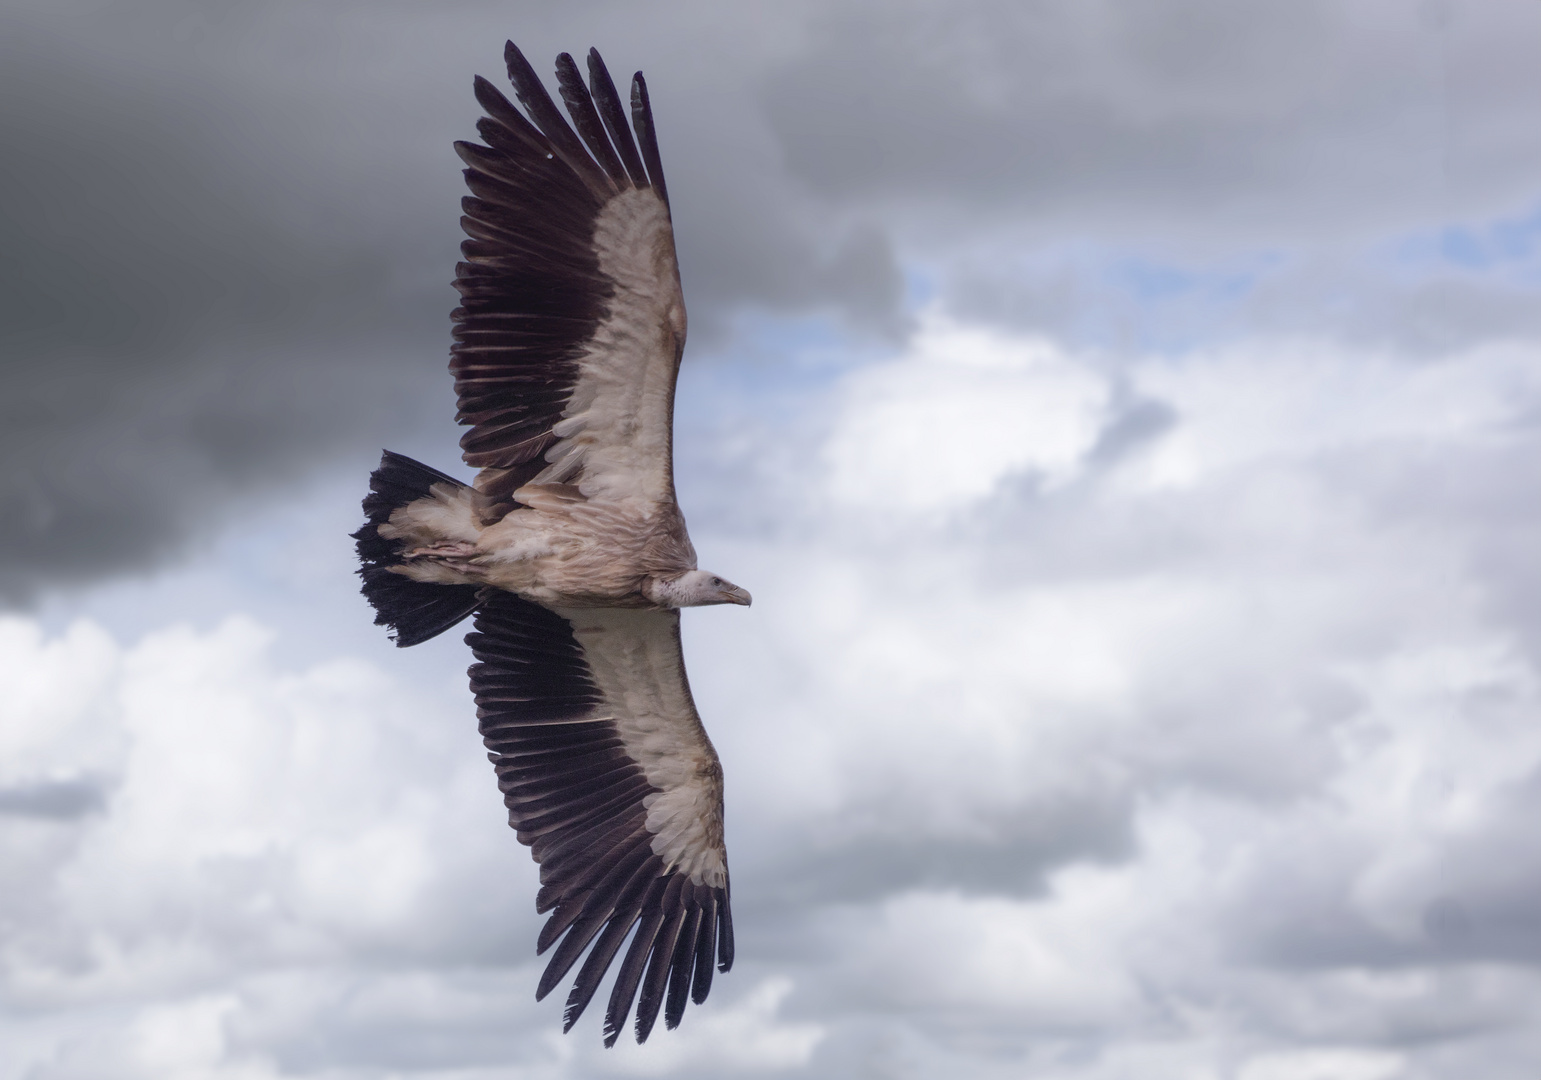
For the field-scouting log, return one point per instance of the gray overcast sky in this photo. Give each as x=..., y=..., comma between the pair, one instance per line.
x=228, y=227
x=1125, y=415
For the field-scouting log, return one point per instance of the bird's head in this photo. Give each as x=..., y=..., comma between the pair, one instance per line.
x=695, y=588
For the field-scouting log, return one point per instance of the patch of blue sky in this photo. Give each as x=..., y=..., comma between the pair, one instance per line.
x=750, y=415
x=1162, y=307
x=922, y=286
x=1122, y=301
x=771, y=372
x=768, y=372
x=1509, y=246
x=1146, y=279
x=769, y=348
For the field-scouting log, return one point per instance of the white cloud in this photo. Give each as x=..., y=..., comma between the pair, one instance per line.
x=963, y=408
x=1283, y=402
x=748, y=1037
x=44, y=733
x=1041, y=964
x=271, y=835
x=1280, y=669
x=1333, y=1064
x=1101, y=716
x=1233, y=772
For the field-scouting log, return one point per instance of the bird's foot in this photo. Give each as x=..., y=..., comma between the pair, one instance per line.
x=444, y=549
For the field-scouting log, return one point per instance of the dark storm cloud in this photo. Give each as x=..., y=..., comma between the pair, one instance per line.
x=226, y=252
x=229, y=229
x=1179, y=118
x=1183, y=172
x=183, y=318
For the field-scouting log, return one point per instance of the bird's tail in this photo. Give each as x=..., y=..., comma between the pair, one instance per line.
x=414, y=610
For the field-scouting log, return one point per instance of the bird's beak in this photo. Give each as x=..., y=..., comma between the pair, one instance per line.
x=735, y=595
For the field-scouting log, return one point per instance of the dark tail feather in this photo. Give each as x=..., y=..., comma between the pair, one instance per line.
x=414, y=610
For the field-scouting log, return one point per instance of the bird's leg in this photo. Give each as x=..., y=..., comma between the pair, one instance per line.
x=450, y=562
x=443, y=549
x=457, y=555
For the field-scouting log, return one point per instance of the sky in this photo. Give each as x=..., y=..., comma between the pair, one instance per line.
x=1127, y=418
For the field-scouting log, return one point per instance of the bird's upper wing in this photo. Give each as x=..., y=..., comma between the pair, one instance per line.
x=572, y=323
x=610, y=779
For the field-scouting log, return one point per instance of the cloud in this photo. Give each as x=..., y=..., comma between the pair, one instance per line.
x=1165, y=298
x=1214, y=752
x=1248, y=676
x=1309, y=1064
x=1180, y=119
x=921, y=435
x=232, y=269
x=52, y=799
x=191, y=309
x=264, y=847
x=1143, y=532
x=235, y=256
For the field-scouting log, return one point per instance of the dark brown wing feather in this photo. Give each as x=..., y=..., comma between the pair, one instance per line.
x=609, y=104
x=580, y=106
x=642, y=120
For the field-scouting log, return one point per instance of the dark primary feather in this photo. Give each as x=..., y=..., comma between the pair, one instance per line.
x=576, y=798
x=580, y=933
x=501, y=112
x=543, y=111
x=642, y=887
x=680, y=965
x=662, y=959
x=585, y=875
x=706, y=944
x=609, y=104
x=725, y=932
x=580, y=106
x=642, y=120
x=629, y=975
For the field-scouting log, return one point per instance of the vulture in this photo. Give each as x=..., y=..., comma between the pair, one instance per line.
x=568, y=550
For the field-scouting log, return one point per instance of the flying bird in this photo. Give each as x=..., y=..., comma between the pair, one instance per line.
x=569, y=550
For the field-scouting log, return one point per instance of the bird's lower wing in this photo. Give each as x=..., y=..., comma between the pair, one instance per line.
x=610, y=779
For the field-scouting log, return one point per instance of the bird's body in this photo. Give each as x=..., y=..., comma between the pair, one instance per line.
x=557, y=548
x=569, y=548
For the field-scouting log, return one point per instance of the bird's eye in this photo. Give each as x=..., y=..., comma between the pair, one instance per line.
x=717, y=581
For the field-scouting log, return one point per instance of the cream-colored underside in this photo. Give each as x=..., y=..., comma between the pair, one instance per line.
x=635, y=660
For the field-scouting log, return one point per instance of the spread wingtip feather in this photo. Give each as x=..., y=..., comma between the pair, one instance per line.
x=647, y=135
